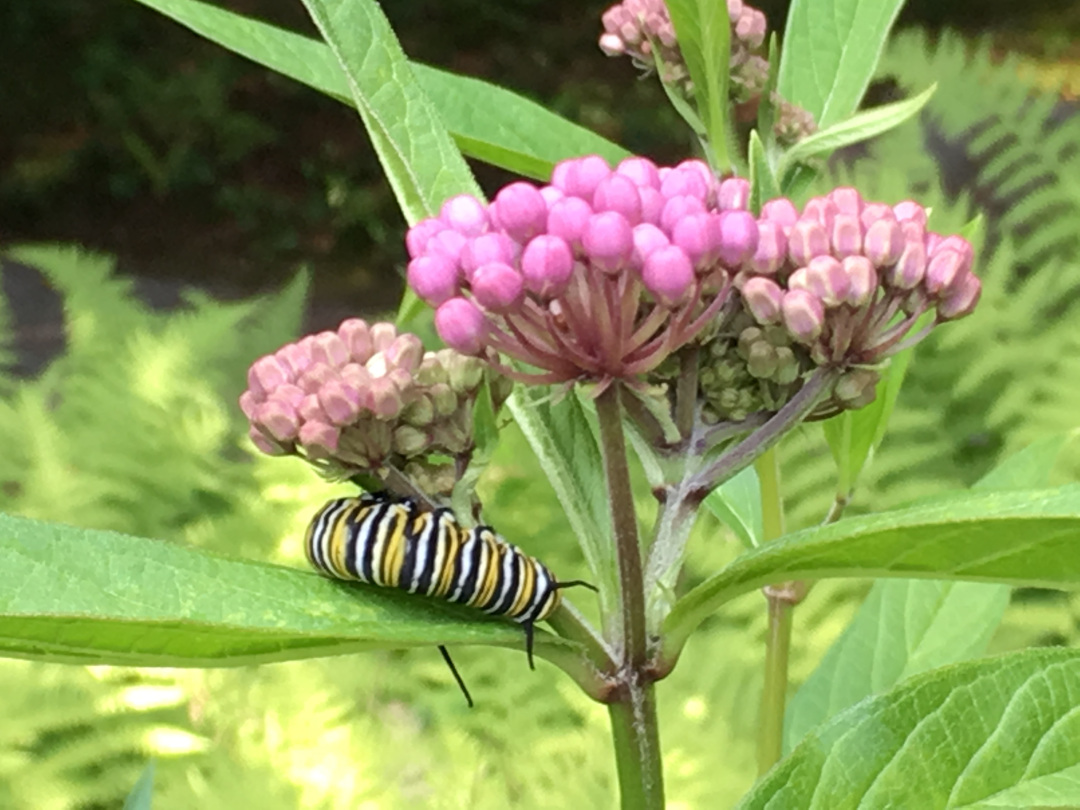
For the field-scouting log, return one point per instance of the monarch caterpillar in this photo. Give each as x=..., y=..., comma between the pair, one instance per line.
x=393, y=542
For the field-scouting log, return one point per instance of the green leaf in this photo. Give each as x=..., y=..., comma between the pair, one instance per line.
x=1018, y=538
x=1001, y=732
x=703, y=30
x=566, y=447
x=142, y=794
x=486, y=122
x=75, y=595
x=853, y=435
x=909, y=626
x=763, y=183
x=737, y=504
x=422, y=164
x=859, y=127
x=831, y=48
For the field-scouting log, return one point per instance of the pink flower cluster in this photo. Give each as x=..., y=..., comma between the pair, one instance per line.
x=361, y=396
x=848, y=279
x=642, y=29
x=597, y=276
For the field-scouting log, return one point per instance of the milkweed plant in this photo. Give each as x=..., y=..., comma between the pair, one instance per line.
x=644, y=322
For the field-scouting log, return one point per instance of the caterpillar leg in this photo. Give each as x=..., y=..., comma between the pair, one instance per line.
x=529, y=642
x=457, y=676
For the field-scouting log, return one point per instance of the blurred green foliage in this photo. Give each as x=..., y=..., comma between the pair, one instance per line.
x=135, y=428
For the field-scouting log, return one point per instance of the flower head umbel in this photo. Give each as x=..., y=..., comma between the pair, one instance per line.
x=642, y=30
x=841, y=284
x=360, y=398
x=595, y=277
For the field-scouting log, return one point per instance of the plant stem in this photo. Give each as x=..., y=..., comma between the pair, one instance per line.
x=774, y=694
x=633, y=716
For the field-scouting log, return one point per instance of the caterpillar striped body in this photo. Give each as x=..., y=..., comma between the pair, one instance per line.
x=393, y=542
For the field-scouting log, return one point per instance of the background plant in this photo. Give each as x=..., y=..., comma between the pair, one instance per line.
x=243, y=523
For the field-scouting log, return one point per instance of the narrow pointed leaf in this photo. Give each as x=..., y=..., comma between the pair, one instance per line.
x=486, y=121
x=859, y=127
x=142, y=795
x=1018, y=538
x=737, y=504
x=420, y=160
x=1000, y=732
x=84, y=596
x=831, y=48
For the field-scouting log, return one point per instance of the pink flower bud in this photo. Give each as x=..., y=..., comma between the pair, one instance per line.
x=763, y=297
x=652, y=204
x=357, y=337
x=825, y=277
x=771, y=250
x=579, y=177
x=461, y=325
x=382, y=335
x=699, y=236
x=619, y=194
x=357, y=375
x=862, y=281
x=567, y=219
x=278, y=419
x=433, y=278
x=847, y=200
x=961, y=299
x=910, y=268
x=310, y=410
x=945, y=267
x=489, y=247
x=847, y=237
x=821, y=210
x=685, y=182
x=884, y=242
x=804, y=315
x=806, y=240
x=498, y=287
x=956, y=243
x=447, y=244
x=612, y=45
x=405, y=353
x=547, y=265
x=734, y=194
x=678, y=207
x=265, y=443
x=641, y=171
x=266, y=374
x=385, y=398
x=465, y=214
x=608, y=241
x=668, y=275
x=872, y=212
x=417, y=238
x=551, y=195
x=319, y=439
x=910, y=211
x=297, y=356
x=520, y=210
x=329, y=349
x=738, y=237
x=781, y=211
x=647, y=238
x=340, y=402
x=248, y=404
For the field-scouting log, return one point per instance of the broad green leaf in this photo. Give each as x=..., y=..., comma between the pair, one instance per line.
x=141, y=796
x=831, y=48
x=1018, y=538
x=737, y=504
x=853, y=435
x=905, y=626
x=1000, y=732
x=75, y=595
x=909, y=626
x=564, y=443
x=486, y=122
x=859, y=127
x=422, y=164
x=703, y=30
